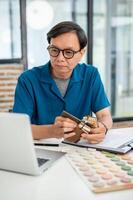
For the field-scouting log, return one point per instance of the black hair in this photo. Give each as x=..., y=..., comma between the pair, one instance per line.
x=66, y=27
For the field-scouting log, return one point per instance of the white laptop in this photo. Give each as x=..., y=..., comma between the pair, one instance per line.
x=17, y=151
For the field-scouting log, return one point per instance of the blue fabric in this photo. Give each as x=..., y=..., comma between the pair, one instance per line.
x=38, y=96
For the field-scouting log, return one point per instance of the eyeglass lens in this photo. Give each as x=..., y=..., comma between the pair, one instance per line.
x=67, y=53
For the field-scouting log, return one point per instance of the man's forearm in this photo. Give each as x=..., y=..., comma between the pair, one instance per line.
x=47, y=131
x=42, y=131
x=104, y=116
x=107, y=121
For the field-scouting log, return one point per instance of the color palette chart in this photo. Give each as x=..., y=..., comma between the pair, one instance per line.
x=103, y=171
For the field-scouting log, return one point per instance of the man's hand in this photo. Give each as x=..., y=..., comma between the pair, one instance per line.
x=64, y=127
x=95, y=135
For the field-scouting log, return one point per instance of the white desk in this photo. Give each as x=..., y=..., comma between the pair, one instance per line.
x=60, y=182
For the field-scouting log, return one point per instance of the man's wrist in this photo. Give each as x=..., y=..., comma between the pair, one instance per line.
x=106, y=128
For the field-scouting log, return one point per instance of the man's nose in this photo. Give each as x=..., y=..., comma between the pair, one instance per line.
x=61, y=56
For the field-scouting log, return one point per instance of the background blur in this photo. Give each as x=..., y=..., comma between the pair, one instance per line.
x=108, y=25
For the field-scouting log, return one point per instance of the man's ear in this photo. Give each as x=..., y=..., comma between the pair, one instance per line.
x=83, y=51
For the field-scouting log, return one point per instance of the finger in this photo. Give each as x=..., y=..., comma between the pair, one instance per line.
x=99, y=130
x=68, y=129
x=95, y=130
x=69, y=124
x=93, y=137
x=93, y=142
x=59, y=118
x=58, y=124
x=66, y=124
x=69, y=135
x=64, y=119
x=68, y=120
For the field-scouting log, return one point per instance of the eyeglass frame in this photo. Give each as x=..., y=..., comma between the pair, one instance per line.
x=62, y=50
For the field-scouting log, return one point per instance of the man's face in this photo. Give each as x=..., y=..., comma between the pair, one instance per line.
x=62, y=67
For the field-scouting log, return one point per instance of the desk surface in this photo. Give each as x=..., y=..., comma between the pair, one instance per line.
x=60, y=182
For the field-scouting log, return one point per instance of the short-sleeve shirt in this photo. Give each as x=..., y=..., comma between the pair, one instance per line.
x=38, y=95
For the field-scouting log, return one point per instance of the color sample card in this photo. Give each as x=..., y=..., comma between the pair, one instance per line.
x=103, y=171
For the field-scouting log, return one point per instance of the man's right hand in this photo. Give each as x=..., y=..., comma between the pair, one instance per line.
x=63, y=127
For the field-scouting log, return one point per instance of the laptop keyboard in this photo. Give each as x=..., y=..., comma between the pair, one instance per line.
x=41, y=161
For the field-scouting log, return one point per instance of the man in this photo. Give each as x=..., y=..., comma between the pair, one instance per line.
x=63, y=84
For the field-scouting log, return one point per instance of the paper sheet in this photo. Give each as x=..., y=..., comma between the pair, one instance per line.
x=115, y=138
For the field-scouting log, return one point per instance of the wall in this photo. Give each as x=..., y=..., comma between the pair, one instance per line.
x=8, y=78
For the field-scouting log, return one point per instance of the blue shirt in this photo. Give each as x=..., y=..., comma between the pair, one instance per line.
x=38, y=95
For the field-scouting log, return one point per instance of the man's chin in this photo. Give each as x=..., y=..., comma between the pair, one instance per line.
x=64, y=75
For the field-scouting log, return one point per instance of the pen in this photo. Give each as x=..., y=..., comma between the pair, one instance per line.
x=42, y=144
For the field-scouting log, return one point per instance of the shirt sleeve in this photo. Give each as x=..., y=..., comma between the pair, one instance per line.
x=24, y=101
x=99, y=97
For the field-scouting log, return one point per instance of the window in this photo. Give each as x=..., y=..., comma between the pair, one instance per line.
x=113, y=52
x=37, y=25
x=10, y=37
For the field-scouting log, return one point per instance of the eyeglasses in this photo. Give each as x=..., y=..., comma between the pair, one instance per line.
x=67, y=53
